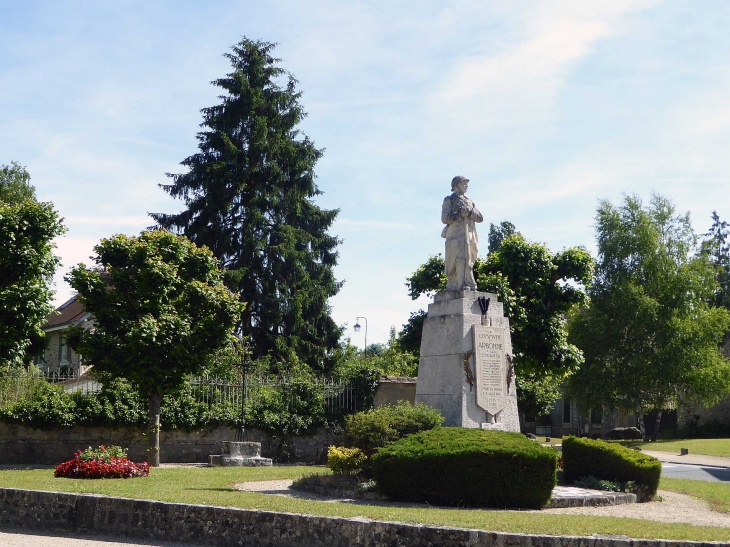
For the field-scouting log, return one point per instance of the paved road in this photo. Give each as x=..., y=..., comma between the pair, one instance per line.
x=32, y=538
x=696, y=472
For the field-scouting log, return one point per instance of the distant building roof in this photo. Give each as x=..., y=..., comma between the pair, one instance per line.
x=70, y=312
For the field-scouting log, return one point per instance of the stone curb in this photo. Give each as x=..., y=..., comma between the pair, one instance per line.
x=225, y=526
x=698, y=464
x=699, y=459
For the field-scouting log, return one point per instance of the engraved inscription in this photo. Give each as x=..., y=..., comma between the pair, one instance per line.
x=490, y=369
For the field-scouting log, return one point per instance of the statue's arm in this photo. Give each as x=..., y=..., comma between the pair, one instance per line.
x=475, y=215
x=448, y=217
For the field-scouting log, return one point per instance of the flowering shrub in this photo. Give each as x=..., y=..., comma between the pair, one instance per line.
x=102, y=463
x=345, y=461
x=103, y=453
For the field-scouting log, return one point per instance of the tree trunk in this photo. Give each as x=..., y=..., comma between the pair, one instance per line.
x=154, y=429
x=640, y=423
x=657, y=423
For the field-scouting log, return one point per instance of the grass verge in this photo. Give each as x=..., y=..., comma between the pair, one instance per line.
x=213, y=486
x=705, y=447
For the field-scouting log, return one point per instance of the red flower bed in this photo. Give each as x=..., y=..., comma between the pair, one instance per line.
x=101, y=465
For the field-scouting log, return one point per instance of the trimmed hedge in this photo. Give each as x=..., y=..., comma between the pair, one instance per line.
x=586, y=457
x=467, y=467
x=377, y=427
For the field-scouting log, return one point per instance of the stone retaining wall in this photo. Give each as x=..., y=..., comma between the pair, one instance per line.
x=221, y=526
x=24, y=445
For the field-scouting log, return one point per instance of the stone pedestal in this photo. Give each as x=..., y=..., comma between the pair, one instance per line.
x=448, y=350
x=239, y=454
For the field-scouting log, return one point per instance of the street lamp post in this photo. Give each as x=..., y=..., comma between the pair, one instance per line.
x=357, y=329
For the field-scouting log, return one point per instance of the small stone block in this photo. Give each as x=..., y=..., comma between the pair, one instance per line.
x=239, y=454
x=683, y=451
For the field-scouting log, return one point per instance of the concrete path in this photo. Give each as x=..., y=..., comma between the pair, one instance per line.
x=695, y=472
x=689, y=459
x=32, y=538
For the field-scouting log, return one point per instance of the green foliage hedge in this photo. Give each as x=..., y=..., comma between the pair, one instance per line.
x=377, y=427
x=609, y=461
x=466, y=467
x=289, y=409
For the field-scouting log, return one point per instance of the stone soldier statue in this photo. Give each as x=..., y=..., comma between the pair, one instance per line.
x=460, y=215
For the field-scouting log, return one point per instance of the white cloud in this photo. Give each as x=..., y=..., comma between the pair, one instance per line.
x=72, y=250
x=373, y=224
x=112, y=220
x=516, y=85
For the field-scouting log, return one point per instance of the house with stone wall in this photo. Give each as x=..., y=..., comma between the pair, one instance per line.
x=567, y=419
x=59, y=357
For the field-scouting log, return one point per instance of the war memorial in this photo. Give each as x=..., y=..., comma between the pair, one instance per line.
x=465, y=369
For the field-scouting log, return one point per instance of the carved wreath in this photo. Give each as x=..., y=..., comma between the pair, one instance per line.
x=467, y=368
x=510, y=370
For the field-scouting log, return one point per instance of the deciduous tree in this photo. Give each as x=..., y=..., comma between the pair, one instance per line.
x=27, y=264
x=15, y=184
x=161, y=311
x=650, y=336
x=249, y=195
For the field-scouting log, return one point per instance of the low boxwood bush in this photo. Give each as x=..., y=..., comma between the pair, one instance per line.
x=466, y=467
x=609, y=461
x=345, y=461
x=375, y=428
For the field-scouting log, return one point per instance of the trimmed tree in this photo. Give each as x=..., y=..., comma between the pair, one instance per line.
x=27, y=265
x=161, y=311
x=650, y=336
x=248, y=196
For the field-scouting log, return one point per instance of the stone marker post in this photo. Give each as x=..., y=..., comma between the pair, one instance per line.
x=465, y=367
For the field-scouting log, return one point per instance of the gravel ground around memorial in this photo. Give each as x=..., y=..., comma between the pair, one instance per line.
x=669, y=507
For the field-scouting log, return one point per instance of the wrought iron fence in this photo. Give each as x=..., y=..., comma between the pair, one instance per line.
x=19, y=385
x=339, y=398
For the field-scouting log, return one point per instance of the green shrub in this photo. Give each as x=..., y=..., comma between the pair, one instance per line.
x=466, y=467
x=102, y=453
x=375, y=428
x=595, y=483
x=363, y=378
x=345, y=461
x=288, y=409
x=121, y=404
x=49, y=407
x=609, y=461
x=292, y=408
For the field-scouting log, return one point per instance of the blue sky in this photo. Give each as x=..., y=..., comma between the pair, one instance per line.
x=546, y=107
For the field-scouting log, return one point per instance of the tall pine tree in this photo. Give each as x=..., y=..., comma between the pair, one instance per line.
x=717, y=248
x=248, y=193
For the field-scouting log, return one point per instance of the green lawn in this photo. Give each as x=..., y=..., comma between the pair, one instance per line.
x=212, y=486
x=706, y=447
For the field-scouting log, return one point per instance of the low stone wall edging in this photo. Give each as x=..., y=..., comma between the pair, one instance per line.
x=225, y=526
